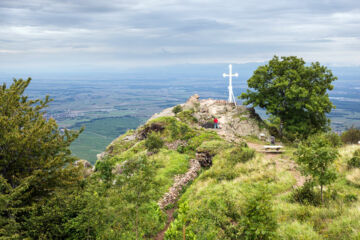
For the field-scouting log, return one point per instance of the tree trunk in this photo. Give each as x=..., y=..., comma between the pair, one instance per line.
x=136, y=224
x=184, y=230
x=281, y=128
x=321, y=190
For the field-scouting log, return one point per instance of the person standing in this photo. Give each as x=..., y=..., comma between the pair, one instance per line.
x=216, y=123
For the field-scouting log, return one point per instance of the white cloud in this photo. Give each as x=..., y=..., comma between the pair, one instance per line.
x=137, y=32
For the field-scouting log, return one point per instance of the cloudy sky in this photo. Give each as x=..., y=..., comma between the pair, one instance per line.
x=119, y=34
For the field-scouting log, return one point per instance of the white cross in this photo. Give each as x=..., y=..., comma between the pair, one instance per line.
x=230, y=75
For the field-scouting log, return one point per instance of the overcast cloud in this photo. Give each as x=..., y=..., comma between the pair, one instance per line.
x=70, y=34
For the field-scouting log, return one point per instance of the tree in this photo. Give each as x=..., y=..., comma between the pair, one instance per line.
x=258, y=217
x=294, y=93
x=315, y=157
x=35, y=159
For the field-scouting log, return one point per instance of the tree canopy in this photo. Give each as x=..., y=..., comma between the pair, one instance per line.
x=294, y=93
x=35, y=159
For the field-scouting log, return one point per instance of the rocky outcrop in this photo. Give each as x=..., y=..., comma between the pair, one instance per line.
x=234, y=121
x=204, y=158
x=87, y=168
x=153, y=127
x=180, y=181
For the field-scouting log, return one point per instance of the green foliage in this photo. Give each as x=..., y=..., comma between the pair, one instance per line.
x=35, y=159
x=136, y=186
x=293, y=92
x=241, y=154
x=354, y=162
x=196, y=141
x=306, y=195
x=351, y=136
x=177, y=227
x=104, y=167
x=213, y=146
x=154, y=142
x=297, y=231
x=315, y=157
x=258, y=218
x=334, y=139
x=187, y=116
x=177, y=109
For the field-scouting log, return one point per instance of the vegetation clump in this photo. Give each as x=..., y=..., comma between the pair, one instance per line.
x=177, y=109
x=306, y=195
x=315, y=157
x=354, y=162
x=258, y=220
x=241, y=154
x=187, y=116
x=154, y=142
x=351, y=136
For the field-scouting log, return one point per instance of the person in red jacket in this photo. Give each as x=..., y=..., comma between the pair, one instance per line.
x=216, y=123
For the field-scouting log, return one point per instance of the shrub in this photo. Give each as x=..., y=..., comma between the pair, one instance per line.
x=350, y=198
x=306, y=195
x=354, y=162
x=258, y=219
x=177, y=109
x=153, y=142
x=352, y=135
x=316, y=156
x=334, y=139
x=187, y=116
x=242, y=154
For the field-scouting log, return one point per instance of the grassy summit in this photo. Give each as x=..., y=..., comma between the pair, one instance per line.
x=241, y=191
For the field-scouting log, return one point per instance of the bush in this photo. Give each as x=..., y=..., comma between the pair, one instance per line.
x=354, y=162
x=153, y=142
x=177, y=109
x=242, y=154
x=351, y=135
x=350, y=198
x=258, y=219
x=187, y=116
x=306, y=195
x=334, y=139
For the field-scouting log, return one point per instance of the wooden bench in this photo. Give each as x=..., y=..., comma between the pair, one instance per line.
x=273, y=147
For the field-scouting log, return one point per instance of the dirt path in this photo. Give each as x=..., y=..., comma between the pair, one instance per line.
x=170, y=215
x=281, y=162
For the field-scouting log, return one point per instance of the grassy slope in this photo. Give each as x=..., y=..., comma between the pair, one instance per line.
x=212, y=205
x=209, y=211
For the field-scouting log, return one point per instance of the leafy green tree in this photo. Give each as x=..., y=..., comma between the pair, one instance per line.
x=315, y=157
x=294, y=93
x=35, y=159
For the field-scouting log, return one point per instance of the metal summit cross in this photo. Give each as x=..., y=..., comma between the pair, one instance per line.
x=230, y=75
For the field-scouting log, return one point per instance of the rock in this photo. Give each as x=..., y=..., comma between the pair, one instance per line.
x=174, y=145
x=100, y=156
x=180, y=181
x=204, y=158
x=87, y=168
x=156, y=127
x=192, y=103
x=129, y=138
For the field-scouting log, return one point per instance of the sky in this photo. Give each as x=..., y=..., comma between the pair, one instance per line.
x=84, y=35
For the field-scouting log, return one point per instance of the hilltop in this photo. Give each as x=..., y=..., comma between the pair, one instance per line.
x=205, y=177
